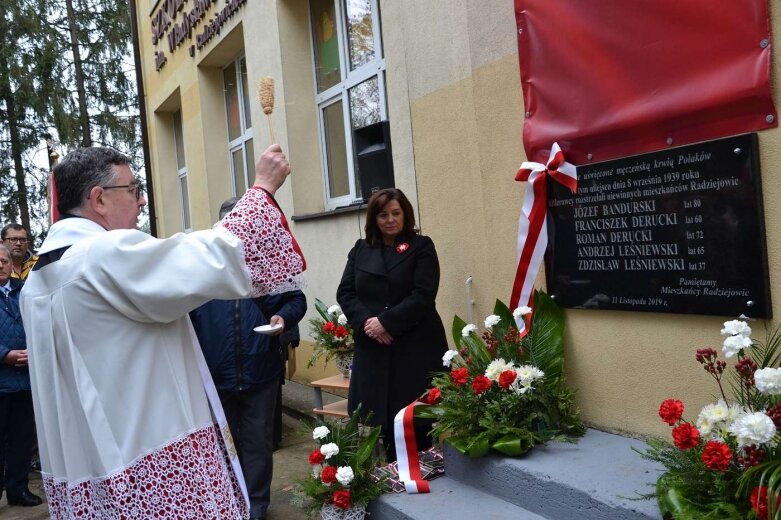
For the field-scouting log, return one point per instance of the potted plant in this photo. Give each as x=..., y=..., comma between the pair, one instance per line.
x=505, y=391
x=341, y=482
x=333, y=337
x=725, y=464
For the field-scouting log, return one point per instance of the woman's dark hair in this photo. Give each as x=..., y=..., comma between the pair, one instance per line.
x=377, y=201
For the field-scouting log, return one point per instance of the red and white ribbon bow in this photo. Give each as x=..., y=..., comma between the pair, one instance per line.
x=532, y=230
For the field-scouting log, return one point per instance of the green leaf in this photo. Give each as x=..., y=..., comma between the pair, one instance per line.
x=322, y=309
x=504, y=312
x=458, y=326
x=471, y=446
x=545, y=340
x=515, y=444
x=367, y=447
x=428, y=412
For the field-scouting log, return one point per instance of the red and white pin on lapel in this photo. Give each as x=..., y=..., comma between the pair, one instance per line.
x=402, y=247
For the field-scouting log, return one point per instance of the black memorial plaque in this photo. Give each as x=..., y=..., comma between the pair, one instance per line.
x=681, y=231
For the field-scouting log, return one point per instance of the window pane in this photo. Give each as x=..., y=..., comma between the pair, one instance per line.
x=179, y=139
x=365, y=103
x=245, y=94
x=249, y=156
x=360, y=38
x=336, y=151
x=184, y=194
x=237, y=157
x=326, y=44
x=232, y=103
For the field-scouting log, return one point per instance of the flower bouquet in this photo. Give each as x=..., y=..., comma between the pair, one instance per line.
x=333, y=337
x=505, y=392
x=726, y=464
x=341, y=482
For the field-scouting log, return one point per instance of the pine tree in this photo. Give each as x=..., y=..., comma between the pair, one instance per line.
x=66, y=69
x=103, y=105
x=26, y=57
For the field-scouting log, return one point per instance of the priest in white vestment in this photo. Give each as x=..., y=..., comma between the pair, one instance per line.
x=128, y=422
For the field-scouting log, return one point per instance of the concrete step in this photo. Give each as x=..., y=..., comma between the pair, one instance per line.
x=595, y=479
x=449, y=499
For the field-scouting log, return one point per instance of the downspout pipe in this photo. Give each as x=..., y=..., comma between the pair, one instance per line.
x=150, y=192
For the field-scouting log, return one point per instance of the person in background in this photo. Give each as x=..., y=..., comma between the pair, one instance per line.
x=387, y=292
x=17, y=240
x=290, y=338
x=246, y=368
x=129, y=422
x=17, y=426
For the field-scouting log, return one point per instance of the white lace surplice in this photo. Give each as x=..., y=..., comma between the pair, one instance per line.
x=124, y=425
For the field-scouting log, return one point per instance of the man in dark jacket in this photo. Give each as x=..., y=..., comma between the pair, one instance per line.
x=246, y=367
x=17, y=423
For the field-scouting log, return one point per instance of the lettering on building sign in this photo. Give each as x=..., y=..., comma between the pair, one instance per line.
x=175, y=21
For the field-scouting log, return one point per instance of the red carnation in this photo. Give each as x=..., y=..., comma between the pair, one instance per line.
x=481, y=384
x=759, y=501
x=341, y=332
x=316, y=457
x=459, y=376
x=686, y=436
x=434, y=395
x=716, y=455
x=329, y=327
x=342, y=498
x=671, y=411
x=328, y=475
x=507, y=378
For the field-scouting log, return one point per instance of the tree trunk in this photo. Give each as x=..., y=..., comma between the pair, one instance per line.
x=13, y=130
x=16, y=152
x=86, y=134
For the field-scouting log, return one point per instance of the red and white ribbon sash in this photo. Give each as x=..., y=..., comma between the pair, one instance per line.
x=532, y=224
x=407, y=450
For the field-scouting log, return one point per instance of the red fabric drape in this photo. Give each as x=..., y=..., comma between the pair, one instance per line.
x=617, y=78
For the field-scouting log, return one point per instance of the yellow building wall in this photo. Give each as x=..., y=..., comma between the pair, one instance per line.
x=456, y=113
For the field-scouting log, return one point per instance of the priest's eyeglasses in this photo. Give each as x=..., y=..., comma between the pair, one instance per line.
x=139, y=190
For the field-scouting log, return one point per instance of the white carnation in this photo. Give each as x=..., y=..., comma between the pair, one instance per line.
x=525, y=376
x=447, y=359
x=334, y=310
x=342, y=320
x=736, y=328
x=468, y=330
x=529, y=373
x=713, y=417
x=496, y=367
x=522, y=311
x=321, y=432
x=768, y=380
x=345, y=475
x=492, y=320
x=329, y=450
x=734, y=344
x=753, y=428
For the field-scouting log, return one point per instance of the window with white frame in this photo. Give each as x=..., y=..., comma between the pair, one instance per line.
x=349, y=86
x=237, y=110
x=181, y=170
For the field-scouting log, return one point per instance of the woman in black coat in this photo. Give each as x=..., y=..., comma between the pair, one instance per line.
x=387, y=292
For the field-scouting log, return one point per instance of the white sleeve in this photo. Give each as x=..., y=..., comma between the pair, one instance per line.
x=160, y=280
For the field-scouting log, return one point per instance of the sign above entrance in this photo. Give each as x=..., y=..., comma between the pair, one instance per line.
x=678, y=231
x=176, y=24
